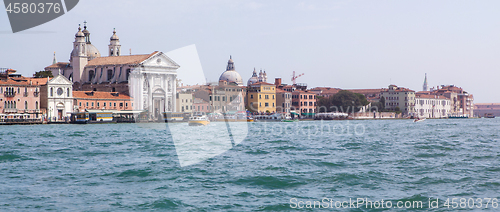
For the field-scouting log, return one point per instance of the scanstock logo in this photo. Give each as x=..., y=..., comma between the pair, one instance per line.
x=25, y=14
x=154, y=89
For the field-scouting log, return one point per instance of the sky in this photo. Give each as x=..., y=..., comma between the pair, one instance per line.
x=342, y=44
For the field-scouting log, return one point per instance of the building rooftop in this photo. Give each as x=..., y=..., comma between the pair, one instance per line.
x=121, y=60
x=100, y=95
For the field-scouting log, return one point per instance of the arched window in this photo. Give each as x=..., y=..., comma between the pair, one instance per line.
x=15, y=106
x=110, y=74
x=67, y=92
x=25, y=105
x=36, y=105
x=51, y=91
x=91, y=75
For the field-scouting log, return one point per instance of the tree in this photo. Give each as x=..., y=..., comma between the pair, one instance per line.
x=43, y=74
x=343, y=101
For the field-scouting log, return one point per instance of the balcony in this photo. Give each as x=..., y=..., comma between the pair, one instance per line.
x=9, y=94
x=25, y=94
x=36, y=94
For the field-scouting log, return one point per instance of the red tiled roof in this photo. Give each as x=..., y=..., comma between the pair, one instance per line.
x=24, y=81
x=60, y=65
x=121, y=60
x=427, y=96
x=99, y=95
x=262, y=83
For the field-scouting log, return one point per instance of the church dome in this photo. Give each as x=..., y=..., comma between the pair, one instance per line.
x=230, y=75
x=92, y=52
x=254, y=79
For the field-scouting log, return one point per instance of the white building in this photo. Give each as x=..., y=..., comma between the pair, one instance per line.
x=148, y=78
x=56, y=97
x=432, y=106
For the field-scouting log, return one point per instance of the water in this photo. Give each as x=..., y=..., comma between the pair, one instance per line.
x=123, y=167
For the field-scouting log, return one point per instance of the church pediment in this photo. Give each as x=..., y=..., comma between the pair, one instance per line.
x=160, y=60
x=60, y=80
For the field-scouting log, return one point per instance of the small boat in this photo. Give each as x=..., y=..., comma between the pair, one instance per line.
x=458, y=116
x=276, y=117
x=198, y=121
x=289, y=120
x=489, y=115
x=418, y=120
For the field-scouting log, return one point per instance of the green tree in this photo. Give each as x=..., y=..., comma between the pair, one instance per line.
x=343, y=101
x=43, y=74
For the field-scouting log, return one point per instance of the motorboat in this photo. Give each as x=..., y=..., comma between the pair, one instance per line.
x=198, y=121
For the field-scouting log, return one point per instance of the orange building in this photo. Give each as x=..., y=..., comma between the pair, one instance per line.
x=92, y=100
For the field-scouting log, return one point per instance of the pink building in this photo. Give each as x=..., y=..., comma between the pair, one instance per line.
x=19, y=96
x=200, y=105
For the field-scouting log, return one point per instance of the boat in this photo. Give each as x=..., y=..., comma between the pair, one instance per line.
x=489, y=115
x=331, y=116
x=90, y=117
x=458, y=116
x=198, y=121
x=289, y=120
x=276, y=117
x=418, y=120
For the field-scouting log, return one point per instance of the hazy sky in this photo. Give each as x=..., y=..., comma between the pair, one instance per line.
x=345, y=44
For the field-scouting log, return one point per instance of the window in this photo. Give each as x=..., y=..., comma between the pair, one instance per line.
x=267, y=96
x=273, y=104
x=260, y=97
x=91, y=75
x=251, y=96
x=121, y=104
x=273, y=96
x=80, y=104
x=104, y=104
x=114, y=104
x=110, y=74
x=67, y=92
x=92, y=104
x=260, y=104
x=51, y=92
x=126, y=104
x=110, y=104
x=25, y=105
x=36, y=105
x=267, y=104
x=87, y=104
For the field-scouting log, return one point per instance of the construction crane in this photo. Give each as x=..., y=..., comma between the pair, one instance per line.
x=295, y=77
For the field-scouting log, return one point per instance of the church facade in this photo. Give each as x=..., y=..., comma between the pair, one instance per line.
x=148, y=78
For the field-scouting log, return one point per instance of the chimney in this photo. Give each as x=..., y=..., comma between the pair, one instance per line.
x=277, y=81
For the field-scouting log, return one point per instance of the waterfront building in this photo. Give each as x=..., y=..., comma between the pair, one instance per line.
x=283, y=101
x=399, y=98
x=56, y=97
x=480, y=109
x=226, y=96
x=20, y=96
x=101, y=100
x=431, y=106
x=261, y=97
x=462, y=102
x=184, y=102
x=200, y=105
x=305, y=102
x=148, y=78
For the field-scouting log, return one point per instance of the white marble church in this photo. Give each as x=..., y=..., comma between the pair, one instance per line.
x=148, y=78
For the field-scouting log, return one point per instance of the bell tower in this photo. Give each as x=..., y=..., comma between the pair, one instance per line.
x=78, y=57
x=114, y=45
